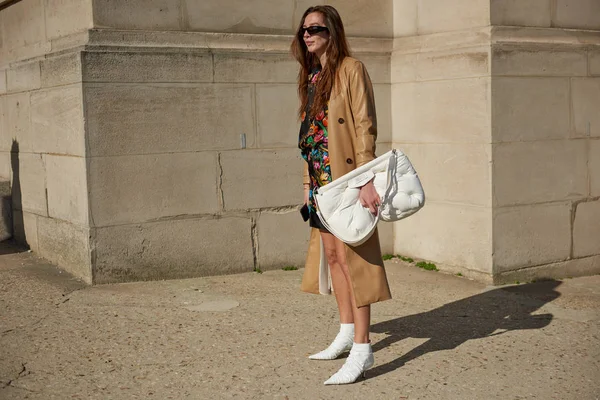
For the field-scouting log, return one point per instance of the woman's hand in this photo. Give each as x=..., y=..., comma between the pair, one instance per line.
x=369, y=198
x=306, y=189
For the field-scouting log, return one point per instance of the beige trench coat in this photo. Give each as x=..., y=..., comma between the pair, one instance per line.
x=352, y=131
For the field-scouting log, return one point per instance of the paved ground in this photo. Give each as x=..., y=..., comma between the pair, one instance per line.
x=247, y=336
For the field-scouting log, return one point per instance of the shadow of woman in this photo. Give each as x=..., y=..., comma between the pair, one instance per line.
x=487, y=314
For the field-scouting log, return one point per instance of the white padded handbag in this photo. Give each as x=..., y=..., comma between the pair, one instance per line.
x=396, y=182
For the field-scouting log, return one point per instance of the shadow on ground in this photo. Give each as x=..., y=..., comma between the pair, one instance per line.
x=487, y=314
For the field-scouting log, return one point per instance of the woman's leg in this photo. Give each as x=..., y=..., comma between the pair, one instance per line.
x=361, y=316
x=339, y=280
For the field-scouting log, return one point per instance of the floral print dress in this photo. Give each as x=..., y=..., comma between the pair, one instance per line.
x=312, y=141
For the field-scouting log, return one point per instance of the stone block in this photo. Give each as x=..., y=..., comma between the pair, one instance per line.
x=3, y=87
x=147, y=67
x=451, y=234
x=521, y=13
x=5, y=165
x=450, y=111
x=29, y=183
x=6, y=218
x=579, y=14
x=66, y=245
x=240, y=16
x=538, y=62
x=585, y=103
x=378, y=67
x=57, y=121
x=139, y=188
x=282, y=240
x=405, y=17
x=443, y=168
x=594, y=167
x=526, y=109
x=258, y=179
x=24, y=77
x=531, y=235
x=173, y=249
x=64, y=17
x=462, y=63
x=361, y=18
x=61, y=70
x=166, y=118
x=16, y=122
x=594, y=62
x=22, y=26
x=148, y=15
x=567, y=269
x=586, y=229
x=383, y=105
x=277, y=113
x=443, y=16
x=255, y=68
x=25, y=229
x=67, y=188
x=532, y=172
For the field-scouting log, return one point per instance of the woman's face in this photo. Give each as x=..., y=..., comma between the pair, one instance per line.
x=317, y=42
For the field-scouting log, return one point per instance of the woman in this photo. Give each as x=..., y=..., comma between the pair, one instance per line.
x=337, y=135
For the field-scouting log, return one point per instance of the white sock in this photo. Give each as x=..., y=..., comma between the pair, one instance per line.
x=342, y=342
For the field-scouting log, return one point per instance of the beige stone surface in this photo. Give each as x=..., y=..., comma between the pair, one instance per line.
x=521, y=13
x=138, y=14
x=531, y=172
x=61, y=70
x=66, y=245
x=23, y=77
x=16, y=122
x=594, y=167
x=366, y=18
x=582, y=14
x=5, y=165
x=378, y=67
x=173, y=249
x=3, y=87
x=57, y=124
x=25, y=229
x=405, y=17
x=531, y=235
x=456, y=173
x=282, y=239
x=449, y=64
x=64, y=17
x=453, y=111
x=255, y=68
x=587, y=266
x=264, y=16
x=449, y=234
x=586, y=229
x=67, y=188
x=526, y=109
x=148, y=67
x=444, y=41
x=168, y=118
x=383, y=105
x=22, y=25
x=139, y=188
x=277, y=115
x=29, y=183
x=540, y=61
x=253, y=179
x=6, y=217
x=443, y=16
x=585, y=103
x=594, y=62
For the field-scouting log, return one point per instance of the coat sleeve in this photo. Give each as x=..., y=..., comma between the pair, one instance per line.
x=362, y=103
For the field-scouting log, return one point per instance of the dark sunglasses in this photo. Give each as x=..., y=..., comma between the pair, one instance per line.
x=312, y=30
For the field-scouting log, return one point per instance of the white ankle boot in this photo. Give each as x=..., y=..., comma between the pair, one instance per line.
x=359, y=360
x=342, y=342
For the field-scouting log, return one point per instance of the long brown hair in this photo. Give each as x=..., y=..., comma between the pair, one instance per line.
x=337, y=49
